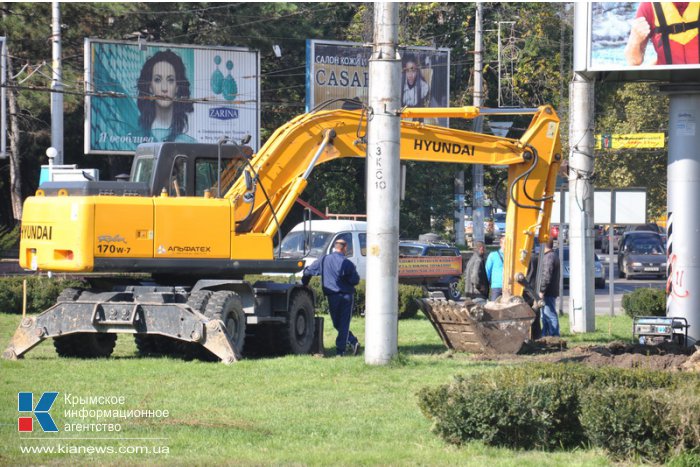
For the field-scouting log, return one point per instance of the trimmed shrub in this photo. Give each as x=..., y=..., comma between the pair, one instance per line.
x=645, y=302
x=651, y=424
x=515, y=408
x=41, y=292
x=629, y=413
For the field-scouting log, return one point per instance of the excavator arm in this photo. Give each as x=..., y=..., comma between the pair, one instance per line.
x=282, y=166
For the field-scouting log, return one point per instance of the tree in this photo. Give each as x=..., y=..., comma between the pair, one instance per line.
x=633, y=108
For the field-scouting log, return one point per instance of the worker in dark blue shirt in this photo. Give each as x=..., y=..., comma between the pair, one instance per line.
x=338, y=278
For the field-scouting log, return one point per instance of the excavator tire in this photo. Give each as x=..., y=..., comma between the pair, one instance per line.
x=298, y=334
x=226, y=306
x=85, y=345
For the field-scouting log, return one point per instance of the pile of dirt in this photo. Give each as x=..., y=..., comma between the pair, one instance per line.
x=662, y=357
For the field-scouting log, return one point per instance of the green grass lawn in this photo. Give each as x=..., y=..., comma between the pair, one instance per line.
x=289, y=410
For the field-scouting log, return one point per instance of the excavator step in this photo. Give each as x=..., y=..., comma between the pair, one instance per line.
x=485, y=327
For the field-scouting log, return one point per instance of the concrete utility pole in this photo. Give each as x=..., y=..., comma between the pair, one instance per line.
x=56, y=84
x=478, y=169
x=683, y=248
x=581, y=272
x=383, y=184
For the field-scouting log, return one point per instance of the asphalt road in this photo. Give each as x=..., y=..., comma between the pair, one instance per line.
x=621, y=287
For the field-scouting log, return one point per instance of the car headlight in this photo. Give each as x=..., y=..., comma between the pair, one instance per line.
x=636, y=264
x=663, y=265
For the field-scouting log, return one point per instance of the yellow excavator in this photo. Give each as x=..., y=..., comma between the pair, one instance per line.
x=194, y=219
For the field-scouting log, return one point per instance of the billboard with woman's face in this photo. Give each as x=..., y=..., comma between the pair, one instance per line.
x=144, y=93
x=639, y=40
x=338, y=73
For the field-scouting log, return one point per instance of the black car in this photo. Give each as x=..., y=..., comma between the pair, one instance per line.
x=449, y=285
x=642, y=253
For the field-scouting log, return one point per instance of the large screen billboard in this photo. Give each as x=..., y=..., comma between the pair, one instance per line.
x=638, y=40
x=142, y=92
x=340, y=70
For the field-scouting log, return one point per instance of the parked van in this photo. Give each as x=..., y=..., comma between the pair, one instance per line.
x=322, y=234
x=440, y=269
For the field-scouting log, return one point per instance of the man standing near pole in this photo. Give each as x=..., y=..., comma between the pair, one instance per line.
x=338, y=278
x=549, y=290
x=476, y=283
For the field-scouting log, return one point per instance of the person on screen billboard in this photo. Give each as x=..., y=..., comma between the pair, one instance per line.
x=163, y=102
x=672, y=28
x=414, y=89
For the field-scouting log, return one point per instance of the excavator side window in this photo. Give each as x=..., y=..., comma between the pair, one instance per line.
x=177, y=185
x=205, y=177
x=143, y=169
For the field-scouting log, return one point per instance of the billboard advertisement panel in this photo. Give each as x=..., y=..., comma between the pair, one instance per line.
x=340, y=70
x=138, y=93
x=638, y=40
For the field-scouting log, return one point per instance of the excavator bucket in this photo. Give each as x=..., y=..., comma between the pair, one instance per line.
x=485, y=327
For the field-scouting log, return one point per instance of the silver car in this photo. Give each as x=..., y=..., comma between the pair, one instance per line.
x=598, y=267
x=641, y=254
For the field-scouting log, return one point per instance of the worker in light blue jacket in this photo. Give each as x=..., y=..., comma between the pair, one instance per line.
x=494, y=271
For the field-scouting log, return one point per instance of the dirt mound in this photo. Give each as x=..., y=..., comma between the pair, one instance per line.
x=663, y=357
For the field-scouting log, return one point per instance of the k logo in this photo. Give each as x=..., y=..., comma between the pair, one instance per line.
x=25, y=403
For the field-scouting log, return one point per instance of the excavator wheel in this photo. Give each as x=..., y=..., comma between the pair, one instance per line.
x=298, y=333
x=85, y=345
x=226, y=306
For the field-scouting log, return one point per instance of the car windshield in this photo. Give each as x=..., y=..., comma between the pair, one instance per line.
x=407, y=250
x=646, y=246
x=499, y=217
x=293, y=244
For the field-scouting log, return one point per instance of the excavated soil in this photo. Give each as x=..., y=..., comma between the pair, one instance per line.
x=662, y=357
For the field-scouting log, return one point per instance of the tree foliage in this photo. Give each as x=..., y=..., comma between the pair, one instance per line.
x=632, y=108
x=535, y=42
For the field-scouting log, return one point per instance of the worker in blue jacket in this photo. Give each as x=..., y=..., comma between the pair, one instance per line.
x=338, y=278
x=494, y=271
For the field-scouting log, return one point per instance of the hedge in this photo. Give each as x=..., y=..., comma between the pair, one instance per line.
x=638, y=414
x=645, y=302
x=41, y=292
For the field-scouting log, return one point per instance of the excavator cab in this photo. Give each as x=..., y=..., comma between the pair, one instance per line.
x=186, y=169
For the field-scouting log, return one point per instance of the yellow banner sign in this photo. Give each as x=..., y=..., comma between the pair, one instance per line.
x=630, y=140
x=416, y=266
